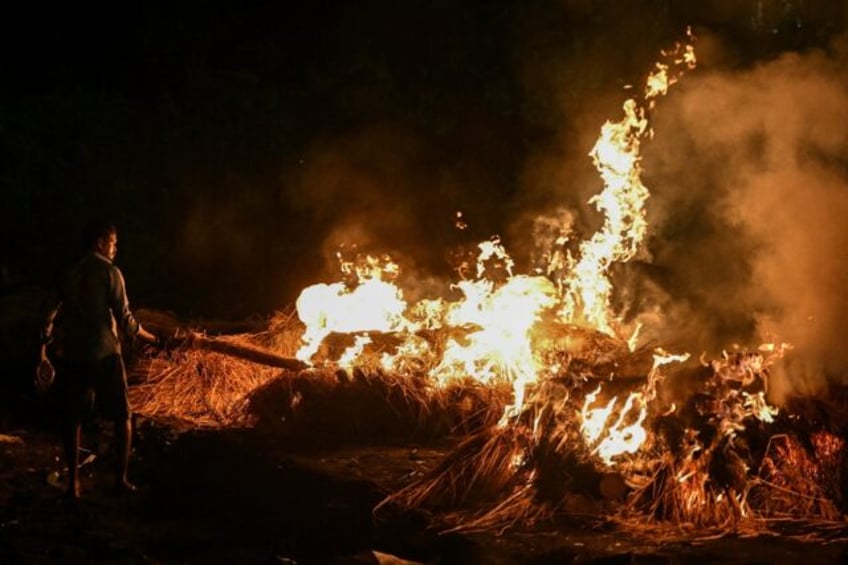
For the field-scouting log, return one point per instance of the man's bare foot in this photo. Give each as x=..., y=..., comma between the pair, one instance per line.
x=124, y=487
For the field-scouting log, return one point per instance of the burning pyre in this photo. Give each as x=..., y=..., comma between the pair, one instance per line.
x=577, y=416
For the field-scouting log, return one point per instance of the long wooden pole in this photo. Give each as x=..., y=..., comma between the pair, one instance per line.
x=165, y=324
x=247, y=352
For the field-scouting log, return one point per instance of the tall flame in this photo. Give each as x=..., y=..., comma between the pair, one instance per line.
x=492, y=325
x=622, y=201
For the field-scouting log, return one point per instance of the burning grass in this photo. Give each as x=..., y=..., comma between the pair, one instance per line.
x=210, y=389
x=205, y=388
x=721, y=464
x=717, y=460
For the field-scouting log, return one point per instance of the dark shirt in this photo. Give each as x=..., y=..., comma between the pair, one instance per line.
x=92, y=303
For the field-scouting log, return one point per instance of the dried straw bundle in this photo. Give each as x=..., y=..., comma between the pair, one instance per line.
x=478, y=471
x=788, y=495
x=519, y=508
x=340, y=407
x=205, y=388
x=507, y=476
x=200, y=387
x=793, y=482
x=683, y=493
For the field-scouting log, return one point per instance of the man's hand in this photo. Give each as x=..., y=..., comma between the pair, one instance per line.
x=147, y=336
x=44, y=374
x=152, y=343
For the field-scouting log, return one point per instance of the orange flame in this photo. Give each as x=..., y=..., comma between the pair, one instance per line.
x=621, y=437
x=616, y=157
x=499, y=310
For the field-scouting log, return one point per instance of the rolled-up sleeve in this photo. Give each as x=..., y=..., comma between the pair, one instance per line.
x=120, y=305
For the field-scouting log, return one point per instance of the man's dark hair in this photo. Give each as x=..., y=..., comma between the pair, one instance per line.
x=95, y=229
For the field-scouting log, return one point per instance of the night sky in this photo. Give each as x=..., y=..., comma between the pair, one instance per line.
x=237, y=145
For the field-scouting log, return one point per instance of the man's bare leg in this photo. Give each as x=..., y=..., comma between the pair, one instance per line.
x=72, y=444
x=123, y=446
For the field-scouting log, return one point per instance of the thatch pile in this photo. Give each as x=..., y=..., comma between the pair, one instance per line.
x=202, y=388
x=709, y=468
x=339, y=406
x=797, y=481
x=207, y=388
x=728, y=488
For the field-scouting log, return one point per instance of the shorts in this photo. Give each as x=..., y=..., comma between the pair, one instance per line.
x=88, y=386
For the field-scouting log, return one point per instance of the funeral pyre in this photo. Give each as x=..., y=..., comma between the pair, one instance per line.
x=565, y=411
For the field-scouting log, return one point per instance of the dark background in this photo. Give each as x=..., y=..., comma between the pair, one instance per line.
x=237, y=144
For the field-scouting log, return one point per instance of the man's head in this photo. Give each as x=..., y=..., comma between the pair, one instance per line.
x=101, y=236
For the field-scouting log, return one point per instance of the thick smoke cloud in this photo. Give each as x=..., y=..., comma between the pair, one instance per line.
x=749, y=172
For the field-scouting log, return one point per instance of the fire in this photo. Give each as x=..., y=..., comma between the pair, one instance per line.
x=624, y=439
x=618, y=438
x=617, y=159
x=347, y=359
x=372, y=305
x=595, y=419
x=697, y=460
x=501, y=348
x=626, y=434
x=756, y=405
x=493, y=323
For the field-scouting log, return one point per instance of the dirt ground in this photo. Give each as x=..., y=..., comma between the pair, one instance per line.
x=239, y=496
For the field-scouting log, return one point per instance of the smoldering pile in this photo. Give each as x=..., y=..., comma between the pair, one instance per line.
x=717, y=459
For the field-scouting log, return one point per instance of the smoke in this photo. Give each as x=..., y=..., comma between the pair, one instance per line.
x=749, y=171
x=376, y=192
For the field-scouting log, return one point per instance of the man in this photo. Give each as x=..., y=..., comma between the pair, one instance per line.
x=90, y=303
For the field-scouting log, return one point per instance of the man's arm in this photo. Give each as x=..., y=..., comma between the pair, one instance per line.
x=50, y=311
x=121, y=309
x=44, y=372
